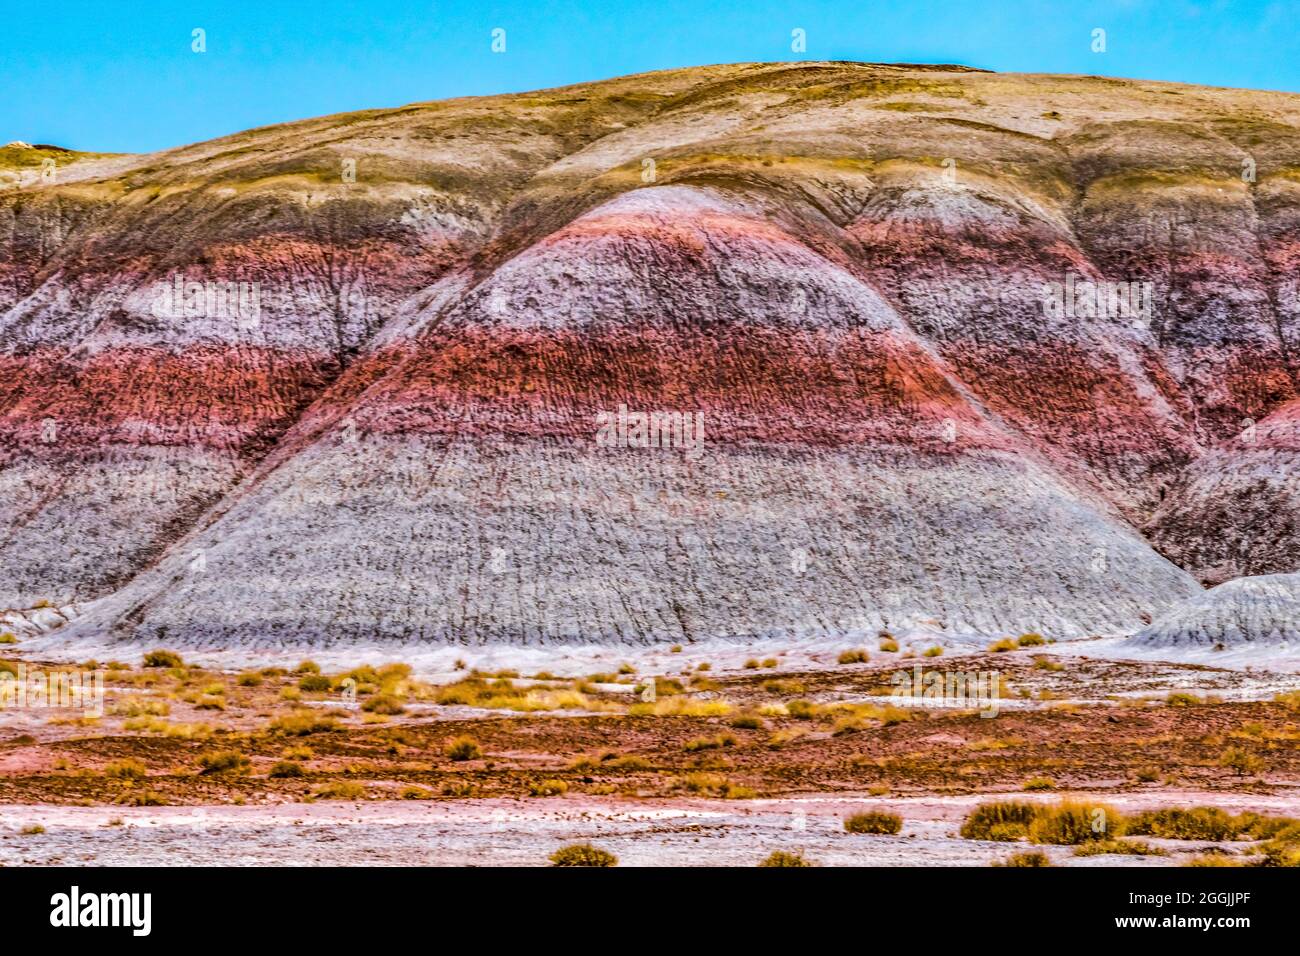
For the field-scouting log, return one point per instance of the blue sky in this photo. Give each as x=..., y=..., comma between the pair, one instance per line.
x=122, y=76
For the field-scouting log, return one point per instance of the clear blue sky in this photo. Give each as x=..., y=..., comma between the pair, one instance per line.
x=120, y=76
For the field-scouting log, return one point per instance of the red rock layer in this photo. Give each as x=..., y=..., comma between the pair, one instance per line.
x=219, y=398
x=753, y=384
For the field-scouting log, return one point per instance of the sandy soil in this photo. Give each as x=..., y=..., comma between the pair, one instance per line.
x=522, y=833
x=683, y=787
x=1281, y=664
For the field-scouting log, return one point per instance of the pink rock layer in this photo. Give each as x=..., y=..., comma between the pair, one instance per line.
x=230, y=399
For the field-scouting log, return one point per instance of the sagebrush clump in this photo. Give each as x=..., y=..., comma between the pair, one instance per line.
x=582, y=854
x=1069, y=824
x=782, y=858
x=874, y=821
x=161, y=658
x=225, y=761
x=464, y=748
x=1028, y=858
x=1001, y=820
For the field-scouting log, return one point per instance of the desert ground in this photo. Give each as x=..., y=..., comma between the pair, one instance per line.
x=731, y=761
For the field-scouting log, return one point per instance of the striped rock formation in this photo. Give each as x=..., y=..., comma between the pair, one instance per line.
x=1243, y=613
x=981, y=352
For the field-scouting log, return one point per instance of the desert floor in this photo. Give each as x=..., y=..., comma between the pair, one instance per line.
x=190, y=764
